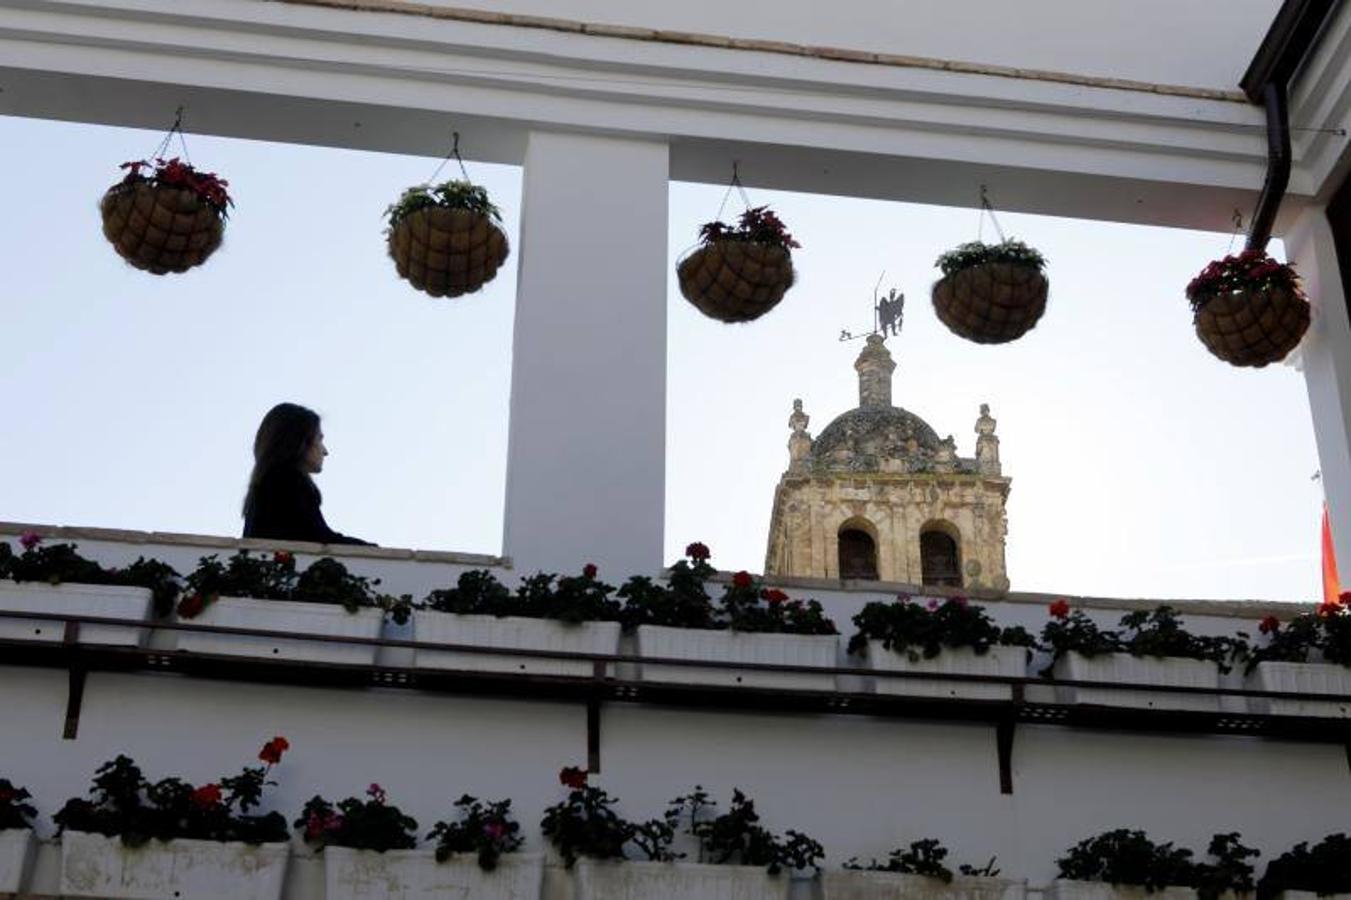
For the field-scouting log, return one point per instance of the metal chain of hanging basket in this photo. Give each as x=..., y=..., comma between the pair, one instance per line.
x=450, y=244
x=991, y=294
x=170, y=220
x=733, y=276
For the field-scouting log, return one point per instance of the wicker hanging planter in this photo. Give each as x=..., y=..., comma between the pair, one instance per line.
x=991, y=293
x=169, y=219
x=739, y=274
x=1249, y=309
x=445, y=240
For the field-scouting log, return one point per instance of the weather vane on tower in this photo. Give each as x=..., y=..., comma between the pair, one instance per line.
x=888, y=313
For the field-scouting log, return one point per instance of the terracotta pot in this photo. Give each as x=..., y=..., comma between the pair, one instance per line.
x=160, y=229
x=447, y=252
x=1254, y=327
x=736, y=281
x=991, y=303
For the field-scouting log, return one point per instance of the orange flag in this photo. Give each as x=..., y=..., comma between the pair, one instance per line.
x=1331, y=586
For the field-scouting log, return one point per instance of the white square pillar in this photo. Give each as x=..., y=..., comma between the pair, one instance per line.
x=1326, y=356
x=586, y=450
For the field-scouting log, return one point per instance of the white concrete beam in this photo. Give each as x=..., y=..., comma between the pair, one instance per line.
x=1326, y=354
x=586, y=454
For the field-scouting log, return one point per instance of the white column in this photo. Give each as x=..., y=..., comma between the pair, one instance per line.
x=586, y=453
x=1326, y=353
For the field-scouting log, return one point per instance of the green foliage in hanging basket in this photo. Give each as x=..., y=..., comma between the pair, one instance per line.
x=175, y=173
x=976, y=253
x=758, y=225
x=1251, y=270
x=455, y=194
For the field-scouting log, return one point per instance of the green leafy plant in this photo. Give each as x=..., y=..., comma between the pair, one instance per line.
x=15, y=812
x=477, y=592
x=922, y=858
x=124, y=804
x=746, y=604
x=736, y=837
x=1246, y=271
x=976, y=253
x=1229, y=872
x=209, y=188
x=920, y=630
x=1074, y=632
x=757, y=225
x=570, y=598
x=456, y=194
x=1322, y=869
x=371, y=824
x=487, y=831
x=62, y=564
x=1320, y=636
x=1159, y=633
x=275, y=578
x=585, y=824
x=1127, y=857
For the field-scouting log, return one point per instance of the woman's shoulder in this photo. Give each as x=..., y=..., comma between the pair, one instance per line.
x=286, y=481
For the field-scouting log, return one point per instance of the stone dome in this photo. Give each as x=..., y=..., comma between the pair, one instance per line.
x=863, y=438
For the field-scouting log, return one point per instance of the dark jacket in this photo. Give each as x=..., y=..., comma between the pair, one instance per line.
x=286, y=508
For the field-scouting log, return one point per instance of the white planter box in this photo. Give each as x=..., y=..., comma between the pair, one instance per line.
x=1303, y=678
x=408, y=874
x=853, y=885
x=514, y=632
x=738, y=647
x=1124, y=668
x=1097, y=890
x=616, y=880
x=329, y=619
x=1310, y=895
x=96, y=866
x=16, y=856
x=1010, y=662
x=107, y=601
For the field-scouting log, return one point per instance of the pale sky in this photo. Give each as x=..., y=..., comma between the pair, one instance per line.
x=1141, y=465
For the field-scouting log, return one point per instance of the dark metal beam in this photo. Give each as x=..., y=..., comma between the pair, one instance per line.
x=1288, y=41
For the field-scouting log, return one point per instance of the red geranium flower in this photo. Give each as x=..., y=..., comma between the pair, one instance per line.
x=774, y=595
x=1329, y=608
x=573, y=777
x=281, y=556
x=1060, y=609
x=273, y=749
x=697, y=551
x=1269, y=624
x=6, y=795
x=742, y=579
x=589, y=570
x=1344, y=598
x=191, y=606
x=206, y=796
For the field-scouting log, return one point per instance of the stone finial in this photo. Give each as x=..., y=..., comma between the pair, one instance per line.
x=945, y=457
x=799, y=442
x=874, y=366
x=987, y=445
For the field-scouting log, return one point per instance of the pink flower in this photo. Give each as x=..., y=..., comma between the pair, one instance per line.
x=495, y=830
x=903, y=598
x=30, y=539
x=377, y=793
x=932, y=604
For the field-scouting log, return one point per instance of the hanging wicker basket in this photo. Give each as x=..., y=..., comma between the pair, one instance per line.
x=736, y=281
x=1252, y=327
x=160, y=228
x=447, y=252
x=992, y=302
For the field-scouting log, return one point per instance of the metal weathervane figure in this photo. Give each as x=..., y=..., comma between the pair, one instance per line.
x=888, y=314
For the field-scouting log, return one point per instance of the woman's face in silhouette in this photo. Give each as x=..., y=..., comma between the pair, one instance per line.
x=314, y=456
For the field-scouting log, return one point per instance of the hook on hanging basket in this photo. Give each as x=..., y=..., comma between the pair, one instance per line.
x=446, y=239
x=738, y=274
x=1249, y=309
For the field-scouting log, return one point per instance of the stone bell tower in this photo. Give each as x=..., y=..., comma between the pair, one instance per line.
x=879, y=496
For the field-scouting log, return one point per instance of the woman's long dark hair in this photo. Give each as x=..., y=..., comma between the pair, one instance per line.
x=283, y=438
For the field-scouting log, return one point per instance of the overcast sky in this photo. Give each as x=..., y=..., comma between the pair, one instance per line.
x=1141, y=465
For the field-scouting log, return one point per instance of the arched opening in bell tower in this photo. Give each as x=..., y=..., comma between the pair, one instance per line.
x=857, y=550
x=940, y=555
